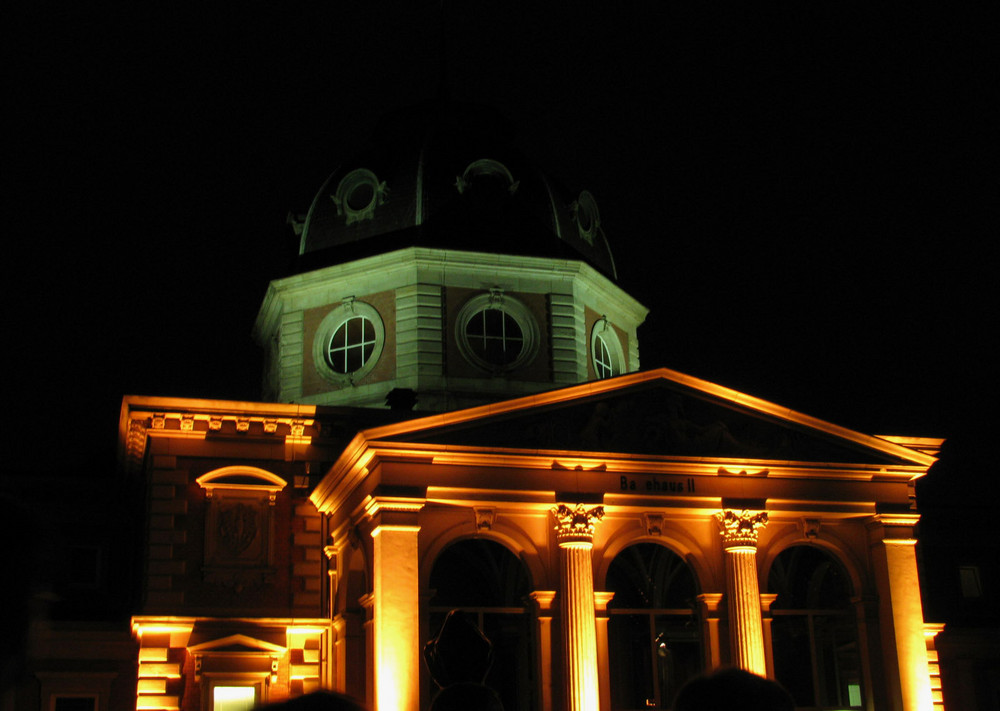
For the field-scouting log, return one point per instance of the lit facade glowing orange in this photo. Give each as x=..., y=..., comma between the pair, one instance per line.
x=336, y=592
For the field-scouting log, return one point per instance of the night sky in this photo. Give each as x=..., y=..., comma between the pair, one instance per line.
x=799, y=194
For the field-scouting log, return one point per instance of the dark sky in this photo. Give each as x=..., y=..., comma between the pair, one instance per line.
x=801, y=194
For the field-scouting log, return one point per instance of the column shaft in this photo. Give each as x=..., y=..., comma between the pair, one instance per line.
x=901, y=612
x=744, y=610
x=908, y=625
x=576, y=607
x=397, y=619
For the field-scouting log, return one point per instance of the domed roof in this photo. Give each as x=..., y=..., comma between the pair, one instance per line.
x=447, y=175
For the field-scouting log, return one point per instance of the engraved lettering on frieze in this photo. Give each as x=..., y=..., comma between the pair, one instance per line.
x=657, y=485
x=237, y=528
x=741, y=527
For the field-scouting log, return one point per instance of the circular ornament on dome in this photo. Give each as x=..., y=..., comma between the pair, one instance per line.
x=348, y=342
x=486, y=168
x=496, y=332
x=587, y=216
x=358, y=194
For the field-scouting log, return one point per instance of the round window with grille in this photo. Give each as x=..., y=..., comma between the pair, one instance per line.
x=348, y=342
x=496, y=332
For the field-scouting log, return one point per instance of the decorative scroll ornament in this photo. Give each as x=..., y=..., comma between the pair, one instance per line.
x=237, y=528
x=740, y=529
x=576, y=524
x=485, y=519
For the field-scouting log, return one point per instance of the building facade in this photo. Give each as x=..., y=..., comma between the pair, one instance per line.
x=612, y=539
x=454, y=419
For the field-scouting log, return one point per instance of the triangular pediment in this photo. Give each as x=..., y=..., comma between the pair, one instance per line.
x=237, y=643
x=655, y=413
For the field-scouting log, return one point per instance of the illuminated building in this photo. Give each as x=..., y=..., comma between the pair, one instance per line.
x=612, y=531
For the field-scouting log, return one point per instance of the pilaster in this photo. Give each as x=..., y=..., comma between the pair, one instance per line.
x=566, y=317
x=419, y=332
x=542, y=604
x=893, y=551
x=396, y=615
x=601, y=600
x=708, y=604
x=766, y=600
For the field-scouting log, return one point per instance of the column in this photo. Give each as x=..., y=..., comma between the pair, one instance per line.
x=575, y=535
x=766, y=600
x=739, y=541
x=901, y=613
x=601, y=600
x=395, y=593
x=542, y=601
x=708, y=604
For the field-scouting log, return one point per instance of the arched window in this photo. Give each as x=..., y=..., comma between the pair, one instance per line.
x=654, y=638
x=606, y=354
x=489, y=583
x=814, y=637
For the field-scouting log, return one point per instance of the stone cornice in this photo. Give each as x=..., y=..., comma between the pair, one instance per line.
x=402, y=266
x=143, y=417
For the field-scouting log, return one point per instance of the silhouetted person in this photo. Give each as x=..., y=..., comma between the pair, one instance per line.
x=459, y=658
x=729, y=689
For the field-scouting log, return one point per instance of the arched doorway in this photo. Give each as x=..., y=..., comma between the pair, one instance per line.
x=653, y=634
x=813, y=631
x=489, y=583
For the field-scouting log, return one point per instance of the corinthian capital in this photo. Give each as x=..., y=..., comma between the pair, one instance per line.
x=739, y=528
x=576, y=524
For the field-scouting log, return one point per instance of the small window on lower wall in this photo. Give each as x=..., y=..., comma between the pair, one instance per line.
x=74, y=703
x=234, y=698
x=968, y=576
